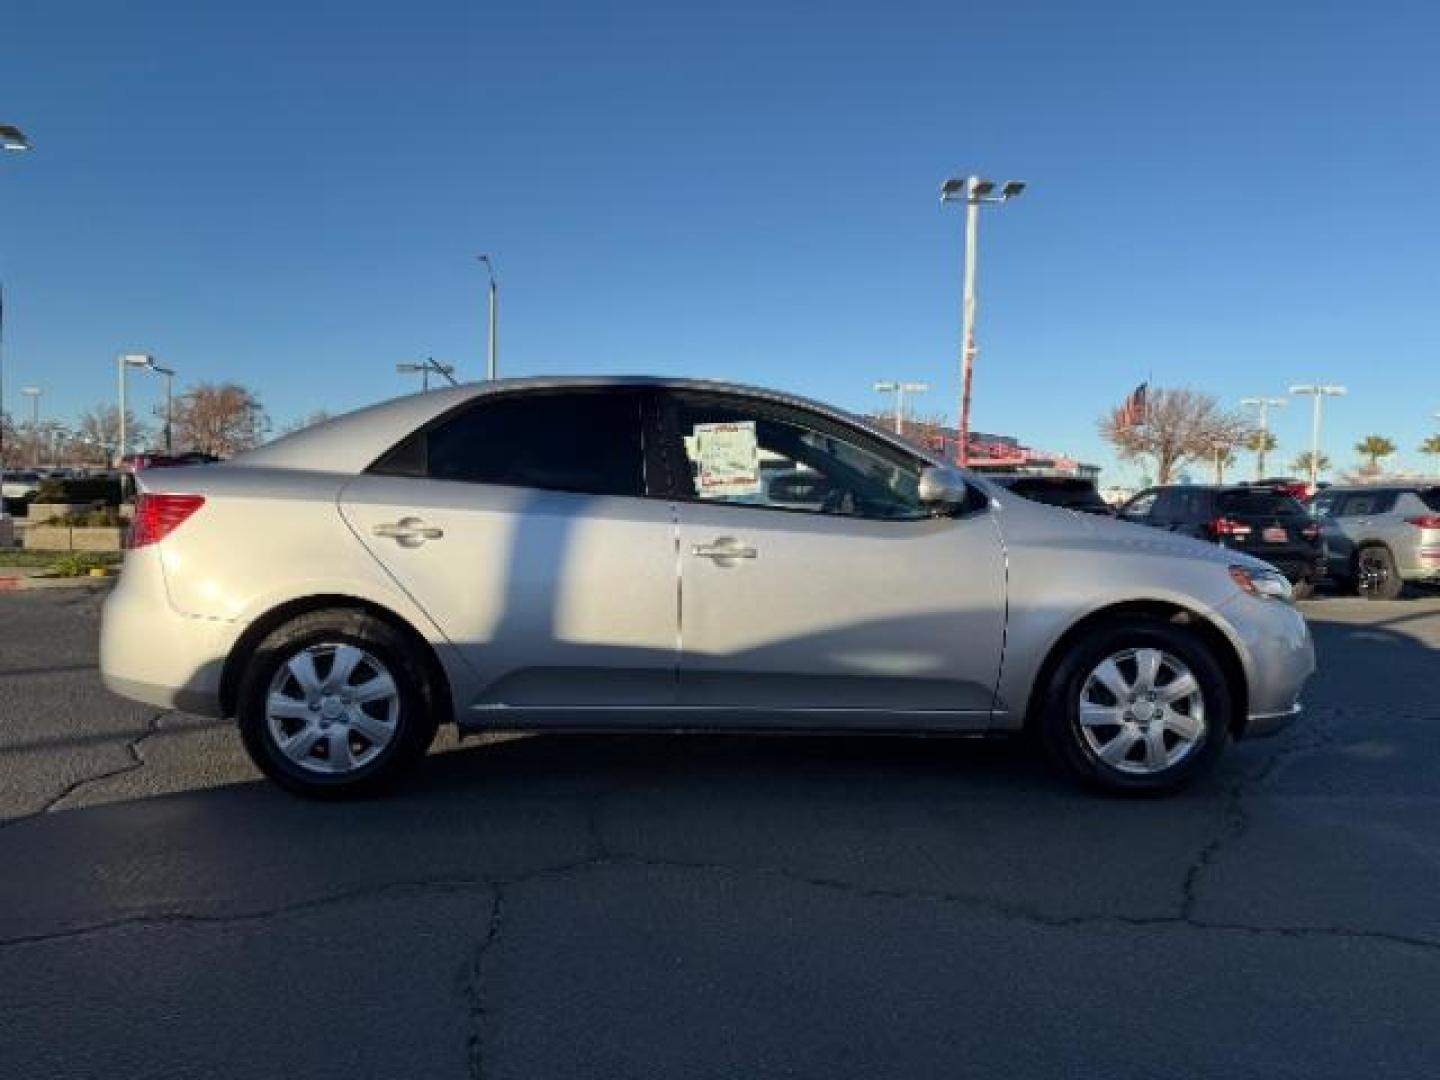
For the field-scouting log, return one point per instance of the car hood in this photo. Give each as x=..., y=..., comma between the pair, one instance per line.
x=1071, y=528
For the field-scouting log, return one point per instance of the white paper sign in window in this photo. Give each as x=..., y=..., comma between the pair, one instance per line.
x=728, y=460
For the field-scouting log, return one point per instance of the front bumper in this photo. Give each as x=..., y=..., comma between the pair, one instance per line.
x=151, y=653
x=1278, y=656
x=1261, y=725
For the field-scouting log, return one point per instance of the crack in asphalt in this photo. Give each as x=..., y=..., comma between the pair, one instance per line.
x=1235, y=817
x=137, y=761
x=474, y=987
x=497, y=885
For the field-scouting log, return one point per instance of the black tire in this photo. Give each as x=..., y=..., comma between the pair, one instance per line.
x=1303, y=589
x=414, y=721
x=1376, y=576
x=1058, y=713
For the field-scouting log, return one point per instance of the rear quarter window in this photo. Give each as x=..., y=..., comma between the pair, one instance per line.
x=1431, y=498
x=1259, y=504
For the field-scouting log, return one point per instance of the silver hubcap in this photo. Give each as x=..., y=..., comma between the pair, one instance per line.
x=332, y=708
x=1141, y=711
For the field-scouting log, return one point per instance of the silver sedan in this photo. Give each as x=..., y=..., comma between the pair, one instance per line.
x=605, y=554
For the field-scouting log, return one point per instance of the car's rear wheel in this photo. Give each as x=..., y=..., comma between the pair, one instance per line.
x=1138, y=705
x=335, y=703
x=1376, y=577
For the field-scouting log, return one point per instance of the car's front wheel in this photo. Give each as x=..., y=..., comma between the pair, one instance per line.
x=1137, y=705
x=335, y=703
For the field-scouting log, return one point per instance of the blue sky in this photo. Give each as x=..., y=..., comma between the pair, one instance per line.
x=1227, y=196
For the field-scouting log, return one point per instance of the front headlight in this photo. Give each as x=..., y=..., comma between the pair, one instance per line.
x=1269, y=583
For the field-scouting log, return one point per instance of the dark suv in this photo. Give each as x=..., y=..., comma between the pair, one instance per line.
x=1265, y=522
x=1070, y=492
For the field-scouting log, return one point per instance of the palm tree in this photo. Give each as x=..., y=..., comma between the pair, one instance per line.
x=1261, y=442
x=1375, y=447
x=1302, y=464
x=1431, y=446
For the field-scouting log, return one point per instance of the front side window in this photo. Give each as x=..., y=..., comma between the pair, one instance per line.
x=731, y=453
x=1323, y=506
x=590, y=443
x=1141, y=505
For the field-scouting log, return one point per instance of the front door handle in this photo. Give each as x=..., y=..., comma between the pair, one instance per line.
x=408, y=532
x=724, y=550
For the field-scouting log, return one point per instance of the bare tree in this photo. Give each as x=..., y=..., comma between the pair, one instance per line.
x=319, y=416
x=99, y=428
x=220, y=419
x=1179, y=426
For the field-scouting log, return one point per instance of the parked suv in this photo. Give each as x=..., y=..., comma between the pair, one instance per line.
x=1070, y=492
x=541, y=554
x=1381, y=538
x=1265, y=522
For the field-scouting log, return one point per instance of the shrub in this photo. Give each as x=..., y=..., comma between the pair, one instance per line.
x=78, y=564
x=81, y=489
x=108, y=517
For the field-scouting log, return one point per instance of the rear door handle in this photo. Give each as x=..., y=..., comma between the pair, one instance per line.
x=408, y=532
x=724, y=550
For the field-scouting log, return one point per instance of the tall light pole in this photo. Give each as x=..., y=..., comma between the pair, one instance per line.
x=900, y=389
x=974, y=192
x=11, y=139
x=148, y=363
x=123, y=363
x=1318, y=391
x=1264, y=404
x=33, y=393
x=492, y=351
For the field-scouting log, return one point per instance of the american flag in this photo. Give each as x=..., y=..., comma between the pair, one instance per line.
x=1132, y=412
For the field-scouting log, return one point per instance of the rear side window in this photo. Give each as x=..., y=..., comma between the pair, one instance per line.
x=1058, y=492
x=1360, y=504
x=1183, y=504
x=589, y=443
x=1259, y=502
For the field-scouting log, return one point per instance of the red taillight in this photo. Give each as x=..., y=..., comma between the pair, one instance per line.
x=1425, y=521
x=1223, y=526
x=157, y=515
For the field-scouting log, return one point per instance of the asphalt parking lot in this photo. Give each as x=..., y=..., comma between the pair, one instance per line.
x=637, y=906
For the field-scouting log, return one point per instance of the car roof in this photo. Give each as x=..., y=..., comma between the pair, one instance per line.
x=349, y=443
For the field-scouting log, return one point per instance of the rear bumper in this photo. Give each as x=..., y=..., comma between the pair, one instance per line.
x=152, y=654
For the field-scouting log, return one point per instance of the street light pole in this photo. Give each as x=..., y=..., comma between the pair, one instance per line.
x=1317, y=391
x=900, y=389
x=973, y=191
x=123, y=362
x=492, y=351
x=33, y=393
x=11, y=139
x=1264, y=404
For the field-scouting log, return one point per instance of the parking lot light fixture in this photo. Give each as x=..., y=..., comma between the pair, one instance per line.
x=1264, y=404
x=1318, y=391
x=900, y=389
x=123, y=363
x=33, y=393
x=973, y=191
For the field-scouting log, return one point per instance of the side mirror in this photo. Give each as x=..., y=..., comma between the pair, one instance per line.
x=942, y=488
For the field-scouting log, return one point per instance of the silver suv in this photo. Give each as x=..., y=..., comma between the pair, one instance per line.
x=1381, y=538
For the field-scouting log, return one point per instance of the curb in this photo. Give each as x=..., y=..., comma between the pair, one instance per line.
x=23, y=583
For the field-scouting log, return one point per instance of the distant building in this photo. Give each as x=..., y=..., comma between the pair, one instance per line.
x=994, y=453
